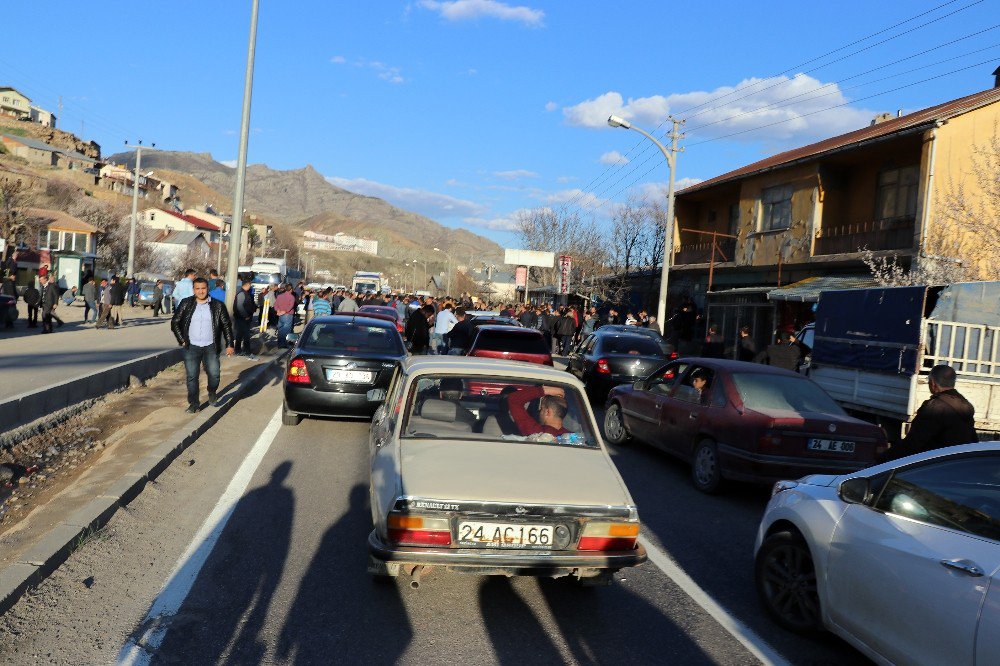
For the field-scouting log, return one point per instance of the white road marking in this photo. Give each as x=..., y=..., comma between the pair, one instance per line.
x=138, y=652
x=744, y=634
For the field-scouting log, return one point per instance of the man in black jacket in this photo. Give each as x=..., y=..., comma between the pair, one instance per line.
x=244, y=308
x=200, y=324
x=418, y=329
x=459, y=338
x=117, y=295
x=50, y=300
x=945, y=419
x=785, y=354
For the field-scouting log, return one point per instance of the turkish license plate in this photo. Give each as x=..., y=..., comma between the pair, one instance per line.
x=504, y=535
x=834, y=445
x=349, y=376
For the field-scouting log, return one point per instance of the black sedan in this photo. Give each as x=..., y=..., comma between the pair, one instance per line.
x=606, y=359
x=336, y=361
x=654, y=335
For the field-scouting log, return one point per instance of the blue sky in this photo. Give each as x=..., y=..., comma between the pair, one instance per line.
x=468, y=111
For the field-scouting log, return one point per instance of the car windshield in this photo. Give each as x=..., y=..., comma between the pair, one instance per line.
x=352, y=336
x=510, y=341
x=364, y=286
x=380, y=309
x=491, y=408
x=630, y=344
x=766, y=392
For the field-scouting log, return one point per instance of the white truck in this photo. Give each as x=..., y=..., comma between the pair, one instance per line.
x=872, y=349
x=369, y=282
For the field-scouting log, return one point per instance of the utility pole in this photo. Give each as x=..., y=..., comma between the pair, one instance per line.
x=130, y=268
x=236, y=228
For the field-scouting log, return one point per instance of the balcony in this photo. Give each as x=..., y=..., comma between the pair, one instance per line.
x=890, y=234
x=701, y=253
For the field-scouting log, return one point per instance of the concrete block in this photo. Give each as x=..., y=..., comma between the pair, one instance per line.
x=152, y=465
x=95, y=514
x=52, y=549
x=126, y=488
x=15, y=580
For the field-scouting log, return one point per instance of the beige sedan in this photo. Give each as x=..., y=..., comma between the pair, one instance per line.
x=494, y=467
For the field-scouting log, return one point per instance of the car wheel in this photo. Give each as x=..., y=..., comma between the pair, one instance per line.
x=614, y=425
x=706, y=472
x=289, y=418
x=786, y=582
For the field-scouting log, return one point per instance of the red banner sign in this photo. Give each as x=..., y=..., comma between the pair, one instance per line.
x=565, y=265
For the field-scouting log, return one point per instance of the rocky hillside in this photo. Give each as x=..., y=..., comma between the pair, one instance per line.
x=53, y=137
x=304, y=199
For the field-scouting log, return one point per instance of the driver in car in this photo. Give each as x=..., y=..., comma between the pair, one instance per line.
x=551, y=411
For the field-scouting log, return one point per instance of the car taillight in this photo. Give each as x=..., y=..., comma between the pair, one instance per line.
x=405, y=529
x=609, y=536
x=399, y=326
x=602, y=367
x=297, y=372
x=673, y=356
x=769, y=441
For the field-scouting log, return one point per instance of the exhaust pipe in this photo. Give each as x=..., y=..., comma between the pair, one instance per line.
x=417, y=575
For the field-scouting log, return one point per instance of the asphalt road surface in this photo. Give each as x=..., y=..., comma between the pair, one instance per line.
x=251, y=549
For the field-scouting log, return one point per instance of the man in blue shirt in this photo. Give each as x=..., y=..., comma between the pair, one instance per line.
x=200, y=324
x=219, y=293
x=184, y=288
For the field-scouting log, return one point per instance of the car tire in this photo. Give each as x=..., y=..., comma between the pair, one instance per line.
x=785, y=578
x=289, y=418
x=614, y=426
x=706, y=471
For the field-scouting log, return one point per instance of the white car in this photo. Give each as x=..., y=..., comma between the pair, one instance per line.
x=494, y=467
x=902, y=560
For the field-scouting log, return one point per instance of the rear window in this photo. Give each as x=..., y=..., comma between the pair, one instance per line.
x=762, y=392
x=504, y=341
x=630, y=345
x=350, y=336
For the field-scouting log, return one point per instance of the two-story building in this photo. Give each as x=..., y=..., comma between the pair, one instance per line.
x=66, y=244
x=812, y=212
x=43, y=154
x=14, y=103
x=156, y=218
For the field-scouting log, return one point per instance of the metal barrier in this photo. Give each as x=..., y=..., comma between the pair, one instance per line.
x=971, y=349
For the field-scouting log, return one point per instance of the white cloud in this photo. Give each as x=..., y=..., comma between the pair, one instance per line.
x=467, y=10
x=579, y=198
x=658, y=191
x=471, y=71
x=229, y=163
x=507, y=223
x=613, y=157
x=382, y=70
x=566, y=179
x=431, y=204
x=515, y=174
x=551, y=106
x=797, y=108
x=338, y=60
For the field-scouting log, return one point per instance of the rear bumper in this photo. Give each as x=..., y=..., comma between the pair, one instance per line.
x=310, y=402
x=476, y=560
x=763, y=468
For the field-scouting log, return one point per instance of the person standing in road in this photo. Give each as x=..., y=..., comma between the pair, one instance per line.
x=443, y=323
x=714, y=345
x=244, y=308
x=104, y=303
x=784, y=354
x=50, y=301
x=218, y=291
x=185, y=287
x=157, y=298
x=459, y=338
x=89, y=293
x=321, y=306
x=417, y=331
x=117, y=292
x=746, y=350
x=8, y=288
x=201, y=324
x=566, y=328
x=348, y=304
x=944, y=419
x=284, y=307
x=32, y=298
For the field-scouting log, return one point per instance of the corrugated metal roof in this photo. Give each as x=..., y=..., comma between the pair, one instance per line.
x=56, y=219
x=179, y=237
x=808, y=290
x=910, y=121
x=41, y=145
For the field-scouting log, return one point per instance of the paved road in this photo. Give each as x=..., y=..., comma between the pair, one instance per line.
x=30, y=360
x=284, y=581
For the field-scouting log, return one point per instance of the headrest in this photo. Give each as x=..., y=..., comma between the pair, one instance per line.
x=437, y=409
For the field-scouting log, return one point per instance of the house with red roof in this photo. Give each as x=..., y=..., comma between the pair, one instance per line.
x=156, y=218
x=745, y=237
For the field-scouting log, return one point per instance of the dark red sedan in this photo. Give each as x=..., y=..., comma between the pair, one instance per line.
x=742, y=421
x=385, y=311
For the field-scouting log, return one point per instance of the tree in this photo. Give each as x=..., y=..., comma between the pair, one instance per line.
x=15, y=225
x=561, y=232
x=625, y=249
x=115, y=221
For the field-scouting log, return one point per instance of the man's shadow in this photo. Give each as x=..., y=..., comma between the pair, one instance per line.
x=229, y=601
x=341, y=615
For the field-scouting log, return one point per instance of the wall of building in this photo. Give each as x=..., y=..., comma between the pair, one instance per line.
x=762, y=248
x=15, y=104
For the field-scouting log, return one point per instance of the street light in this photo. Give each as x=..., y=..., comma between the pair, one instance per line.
x=448, y=277
x=668, y=242
x=130, y=267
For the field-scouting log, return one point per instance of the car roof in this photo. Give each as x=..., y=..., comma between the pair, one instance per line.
x=738, y=366
x=375, y=317
x=466, y=365
x=519, y=330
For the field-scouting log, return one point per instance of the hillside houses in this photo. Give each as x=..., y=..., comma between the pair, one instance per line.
x=42, y=154
x=17, y=105
x=121, y=180
x=339, y=242
x=168, y=221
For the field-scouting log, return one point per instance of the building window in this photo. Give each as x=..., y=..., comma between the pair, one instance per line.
x=52, y=240
x=776, y=208
x=76, y=242
x=152, y=216
x=897, y=193
x=734, y=220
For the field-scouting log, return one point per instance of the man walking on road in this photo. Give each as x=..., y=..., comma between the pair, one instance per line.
x=50, y=300
x=347, y=304
x=785, y=354
x=244, y=308
x=104, y=303
x=89, y=293
x=200, y=324
x=8, y=288
x=157, y=298
x=117, y=292
x=284, y=307
x=418, y=329
x=32, y=298
x=184, y=288
x=945, y=419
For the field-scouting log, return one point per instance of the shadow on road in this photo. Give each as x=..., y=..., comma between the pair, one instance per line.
x=346, y=619
x=222, y=618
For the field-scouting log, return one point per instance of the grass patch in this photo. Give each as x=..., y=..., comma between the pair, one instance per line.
x=16, y=131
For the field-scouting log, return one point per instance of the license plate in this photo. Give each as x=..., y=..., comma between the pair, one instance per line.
x=351, y=376
x=504, y=535
x=834, y=445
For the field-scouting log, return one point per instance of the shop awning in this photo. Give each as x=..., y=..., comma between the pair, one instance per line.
x=808, y=290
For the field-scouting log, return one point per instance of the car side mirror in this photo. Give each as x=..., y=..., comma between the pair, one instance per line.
x=639, y=385
x=376, y=395
x=855, y=491
x=292, y=337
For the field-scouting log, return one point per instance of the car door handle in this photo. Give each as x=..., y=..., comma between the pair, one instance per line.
x=965, y=566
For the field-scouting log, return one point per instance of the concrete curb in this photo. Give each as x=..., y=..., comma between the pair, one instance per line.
x=45, y=556
x=28, y=407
